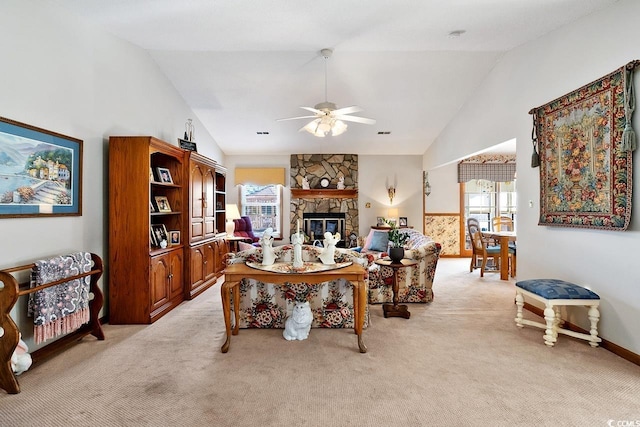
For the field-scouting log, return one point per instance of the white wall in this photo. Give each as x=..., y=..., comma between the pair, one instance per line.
x=445, y=190
x=528, y=77
x=373, y=174
x=63, y=75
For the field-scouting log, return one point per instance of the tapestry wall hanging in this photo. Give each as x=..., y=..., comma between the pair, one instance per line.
x=583, y=143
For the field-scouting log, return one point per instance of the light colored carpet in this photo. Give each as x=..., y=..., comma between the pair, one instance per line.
x=459, y=361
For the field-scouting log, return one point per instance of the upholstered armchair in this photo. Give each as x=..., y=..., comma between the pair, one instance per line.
x=244, y=229
x=415, y=282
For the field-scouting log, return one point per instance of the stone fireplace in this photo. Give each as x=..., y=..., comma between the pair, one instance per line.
x=325, y=205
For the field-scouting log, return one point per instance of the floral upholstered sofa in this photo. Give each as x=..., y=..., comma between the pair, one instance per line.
x=414, y=283
x=265, y=305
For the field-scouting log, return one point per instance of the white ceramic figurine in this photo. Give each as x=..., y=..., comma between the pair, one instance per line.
x=298, y=325
x=297, y=239
x=329, y=250
x=266, y=242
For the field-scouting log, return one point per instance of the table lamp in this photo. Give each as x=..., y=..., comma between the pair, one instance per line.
x=393, y=215
x=231, y=212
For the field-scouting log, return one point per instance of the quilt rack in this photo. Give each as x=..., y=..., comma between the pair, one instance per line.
x=11, y=290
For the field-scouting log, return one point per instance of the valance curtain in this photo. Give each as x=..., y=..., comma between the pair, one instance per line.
x=260, y=176
x=497, y=172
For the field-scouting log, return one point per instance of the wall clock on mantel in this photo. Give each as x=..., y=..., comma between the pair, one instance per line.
x=324, y=183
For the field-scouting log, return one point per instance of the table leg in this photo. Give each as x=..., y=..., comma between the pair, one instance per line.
x=360, y=298
x=395, y=310
x=504, y=257
x=236, y=307
x=225, y=293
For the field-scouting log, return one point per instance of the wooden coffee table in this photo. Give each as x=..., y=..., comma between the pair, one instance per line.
x=395, y=309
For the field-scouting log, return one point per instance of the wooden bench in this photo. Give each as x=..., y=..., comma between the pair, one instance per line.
x=11, y=290
x=555, y=293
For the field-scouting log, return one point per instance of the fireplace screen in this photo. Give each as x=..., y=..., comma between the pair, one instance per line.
x=316, y=224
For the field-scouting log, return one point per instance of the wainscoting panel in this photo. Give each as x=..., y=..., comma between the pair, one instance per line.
x=444, y=228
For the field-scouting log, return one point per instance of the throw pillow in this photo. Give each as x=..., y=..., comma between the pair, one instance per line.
x=367, y=242
x=242, y=246
x=379, y=241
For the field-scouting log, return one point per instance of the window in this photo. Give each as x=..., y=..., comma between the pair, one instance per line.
x=484, y=200
x=263, y=205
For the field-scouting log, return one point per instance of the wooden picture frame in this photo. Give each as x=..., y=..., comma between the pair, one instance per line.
x=164, y=175
x=159, y=233
x=163, y=204
x=41, y=172
x=402, y=222
x=174, y=237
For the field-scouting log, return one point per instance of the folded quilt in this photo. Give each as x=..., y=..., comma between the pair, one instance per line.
x=60, y=309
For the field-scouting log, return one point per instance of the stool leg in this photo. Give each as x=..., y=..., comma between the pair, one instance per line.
x=594, y=316
x=549, y=335
x=519, y=304
x=557, y=321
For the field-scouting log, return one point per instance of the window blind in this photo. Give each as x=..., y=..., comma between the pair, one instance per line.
x=260, y=176
x=497, y=172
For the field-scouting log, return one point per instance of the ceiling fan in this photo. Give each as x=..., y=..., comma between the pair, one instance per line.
x=327, y=116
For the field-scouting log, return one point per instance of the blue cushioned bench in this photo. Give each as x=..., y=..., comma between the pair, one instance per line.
x=555, y=293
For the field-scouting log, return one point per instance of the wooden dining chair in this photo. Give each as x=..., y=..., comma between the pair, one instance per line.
x=505, y=223
x=502, y=223
x=481, y=251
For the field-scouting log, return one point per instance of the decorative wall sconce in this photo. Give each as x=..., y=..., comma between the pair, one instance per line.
x=392, y=193
x=427, y=186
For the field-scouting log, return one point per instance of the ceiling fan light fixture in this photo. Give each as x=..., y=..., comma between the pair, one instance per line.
x=328, y=117
x=339, y=127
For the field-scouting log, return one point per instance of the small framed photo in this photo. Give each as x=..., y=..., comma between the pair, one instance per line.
x=165, y=175
x=163, y=204
x=402, y=221
x=380, y=221
x=159, y=233
x=174, y=236
x=151, y=207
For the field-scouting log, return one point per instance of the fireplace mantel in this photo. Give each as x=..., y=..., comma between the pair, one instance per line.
x=324, y=193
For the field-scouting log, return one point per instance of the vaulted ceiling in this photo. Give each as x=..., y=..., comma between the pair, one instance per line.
x=242, y=64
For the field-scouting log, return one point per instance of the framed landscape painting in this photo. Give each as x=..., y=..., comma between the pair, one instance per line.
x=40, y=172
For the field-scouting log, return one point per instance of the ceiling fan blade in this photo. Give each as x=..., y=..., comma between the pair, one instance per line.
x=356, y=119
x=313, y=110
x=296, y=118
x=347, y=110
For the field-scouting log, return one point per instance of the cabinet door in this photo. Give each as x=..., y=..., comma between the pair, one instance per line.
x=209, y=266
x=160, y=270
x=198, y=260
x=221, y=251
x=197, y=183
x=176, y=286
x=209, y=211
